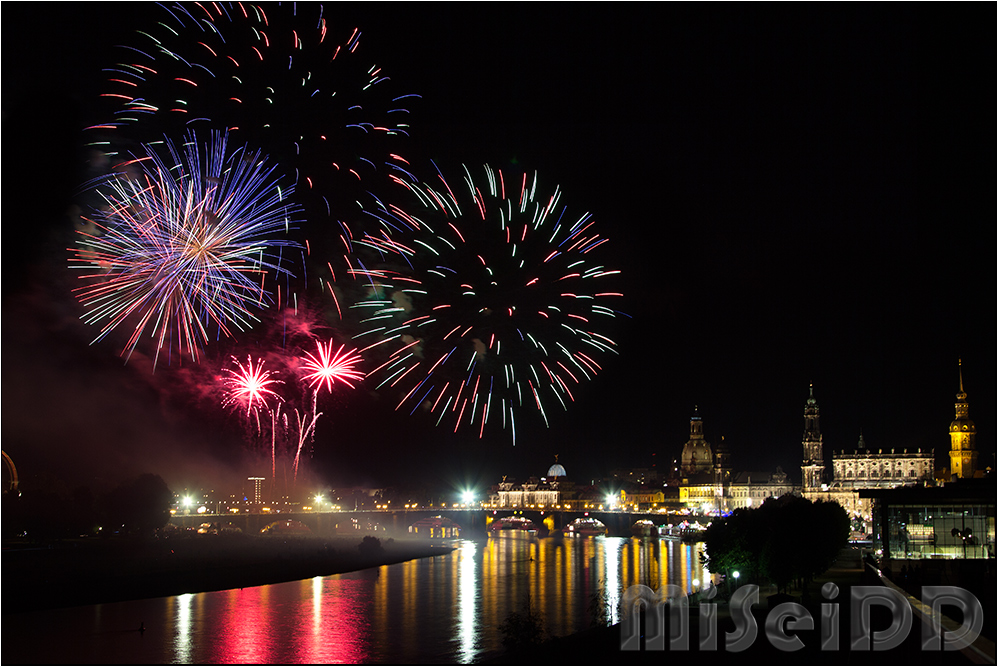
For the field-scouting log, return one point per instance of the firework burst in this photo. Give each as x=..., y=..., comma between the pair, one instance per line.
x=327, y=367
x=184, y=245
x=488, y=298
x=248, y=387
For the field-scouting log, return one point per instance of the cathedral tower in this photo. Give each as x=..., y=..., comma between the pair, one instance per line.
x=813, y=463
x=962, y=435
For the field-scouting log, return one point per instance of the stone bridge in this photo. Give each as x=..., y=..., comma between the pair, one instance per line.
x=395, y=523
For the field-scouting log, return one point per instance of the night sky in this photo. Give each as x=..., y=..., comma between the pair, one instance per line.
x=796, y=195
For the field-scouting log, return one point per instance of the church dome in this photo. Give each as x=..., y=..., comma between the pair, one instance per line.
x=697, y=454
x=557, y=470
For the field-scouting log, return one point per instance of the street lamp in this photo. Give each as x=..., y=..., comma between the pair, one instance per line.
x=318, y=502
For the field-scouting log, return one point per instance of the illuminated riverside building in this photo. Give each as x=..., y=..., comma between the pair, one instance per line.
x=532, y=493
x=552, y=491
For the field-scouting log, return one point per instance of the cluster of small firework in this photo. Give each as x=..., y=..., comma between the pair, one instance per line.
x=286, y=411
x=472, y=302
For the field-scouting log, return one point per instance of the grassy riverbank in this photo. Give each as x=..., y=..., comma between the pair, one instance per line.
x=92, y=571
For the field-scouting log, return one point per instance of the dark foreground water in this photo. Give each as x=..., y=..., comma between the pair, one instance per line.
x=445, y=609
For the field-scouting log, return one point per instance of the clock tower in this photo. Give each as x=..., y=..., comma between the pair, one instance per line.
x=962, y=436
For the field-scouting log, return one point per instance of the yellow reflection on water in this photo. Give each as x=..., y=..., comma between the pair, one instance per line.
x=182, y=625
x=467, y=602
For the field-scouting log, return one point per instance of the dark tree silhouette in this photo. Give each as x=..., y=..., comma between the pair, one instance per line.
x=139, y=506
x=787, y=539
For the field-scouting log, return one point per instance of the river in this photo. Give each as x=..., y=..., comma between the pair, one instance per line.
x=446, y=609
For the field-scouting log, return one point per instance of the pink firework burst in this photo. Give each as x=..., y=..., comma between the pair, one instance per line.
x=248, y=386
x=329, y=367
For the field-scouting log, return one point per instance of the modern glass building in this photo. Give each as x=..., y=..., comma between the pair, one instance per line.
x=955, y=521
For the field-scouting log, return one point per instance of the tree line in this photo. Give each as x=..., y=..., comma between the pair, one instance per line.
x=48, y=510
x=787, y=540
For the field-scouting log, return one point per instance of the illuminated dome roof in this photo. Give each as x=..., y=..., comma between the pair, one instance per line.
x=557, y=470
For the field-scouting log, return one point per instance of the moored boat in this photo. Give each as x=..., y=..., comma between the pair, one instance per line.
x=512, y=526
x=586, y=527
x=644, y=528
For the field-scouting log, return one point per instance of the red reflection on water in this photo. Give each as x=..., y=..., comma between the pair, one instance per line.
x=315, y=621
x=338, y=632
x=243, y=627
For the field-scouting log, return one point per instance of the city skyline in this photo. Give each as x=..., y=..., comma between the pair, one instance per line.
x=794, y=198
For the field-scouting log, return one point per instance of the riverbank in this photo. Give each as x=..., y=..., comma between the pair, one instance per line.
x=93, y=571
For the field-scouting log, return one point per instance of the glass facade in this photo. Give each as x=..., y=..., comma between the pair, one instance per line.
x=914, y=531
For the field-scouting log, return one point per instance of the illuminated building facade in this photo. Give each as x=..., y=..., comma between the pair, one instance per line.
x=709, y=495
x=532, y=493
x=254, y=493
x=641, y=498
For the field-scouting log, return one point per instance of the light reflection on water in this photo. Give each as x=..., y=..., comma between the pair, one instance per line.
x=445, y=609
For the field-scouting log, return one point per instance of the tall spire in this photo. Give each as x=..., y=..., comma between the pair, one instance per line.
x=963, y=435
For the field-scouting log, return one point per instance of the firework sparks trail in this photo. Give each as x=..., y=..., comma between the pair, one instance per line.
x=282, y=77
x=489, y=298
x=184, y=246
x=305, y=430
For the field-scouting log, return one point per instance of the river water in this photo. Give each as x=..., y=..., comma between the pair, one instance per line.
x=446, y=609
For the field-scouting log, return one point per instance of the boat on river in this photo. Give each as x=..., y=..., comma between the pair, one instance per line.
x=644, y=528
x=586, y=527
x=513, y=526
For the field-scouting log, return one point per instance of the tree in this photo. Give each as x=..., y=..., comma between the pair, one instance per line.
x=140, y=505
x=786, y=539
x=370, y=546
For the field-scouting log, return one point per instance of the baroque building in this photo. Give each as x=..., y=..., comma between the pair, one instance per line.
x=532, y=493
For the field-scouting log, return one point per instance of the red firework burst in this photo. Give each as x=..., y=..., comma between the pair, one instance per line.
x=248, y=386
x=329, y=367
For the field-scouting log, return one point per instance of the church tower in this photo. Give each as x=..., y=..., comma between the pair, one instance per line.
x=962, y=436
x=813, y=463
